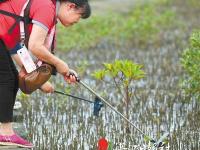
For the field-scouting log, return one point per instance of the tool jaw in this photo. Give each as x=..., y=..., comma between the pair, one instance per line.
x=97, y=106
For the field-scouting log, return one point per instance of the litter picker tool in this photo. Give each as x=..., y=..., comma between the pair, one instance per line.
x=146, y=137
x=97, y=104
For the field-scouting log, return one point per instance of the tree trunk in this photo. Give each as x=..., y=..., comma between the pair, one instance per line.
x=127, y=109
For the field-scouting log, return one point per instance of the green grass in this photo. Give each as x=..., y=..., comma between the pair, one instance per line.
x=141, y=26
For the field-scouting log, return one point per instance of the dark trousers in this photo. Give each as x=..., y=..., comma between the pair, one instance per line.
x=8, y=85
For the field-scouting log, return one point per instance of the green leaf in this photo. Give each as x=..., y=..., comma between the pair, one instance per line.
x=99, y=74
x=147, y=138
x=110, y=146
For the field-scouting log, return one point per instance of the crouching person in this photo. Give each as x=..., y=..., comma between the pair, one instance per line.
x=39, y=39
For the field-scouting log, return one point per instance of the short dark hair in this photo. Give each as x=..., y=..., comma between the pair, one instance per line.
x=82, y=4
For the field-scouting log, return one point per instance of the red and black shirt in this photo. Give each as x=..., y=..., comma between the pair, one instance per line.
x=42, y=13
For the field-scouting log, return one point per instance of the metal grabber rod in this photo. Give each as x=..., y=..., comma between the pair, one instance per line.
x=107, y=103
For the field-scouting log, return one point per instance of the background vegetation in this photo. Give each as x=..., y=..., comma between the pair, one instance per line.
x=140, y=26
x=191, y=63
x=143, y=26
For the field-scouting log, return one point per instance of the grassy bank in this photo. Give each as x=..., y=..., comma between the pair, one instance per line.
x=141, y=26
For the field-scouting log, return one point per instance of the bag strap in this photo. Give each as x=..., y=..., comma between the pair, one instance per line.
x=54, y=28
x=16, y=17
x=1, y=1
x=23, y=24
x=27, y=21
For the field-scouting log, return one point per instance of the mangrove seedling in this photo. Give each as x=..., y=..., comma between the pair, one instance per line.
x=191, y=63
x=122, y=73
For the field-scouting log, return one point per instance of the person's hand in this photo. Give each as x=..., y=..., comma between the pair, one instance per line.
x=71, y=77
x=47, y=87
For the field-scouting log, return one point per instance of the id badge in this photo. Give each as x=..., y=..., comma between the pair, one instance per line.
x=26, y=59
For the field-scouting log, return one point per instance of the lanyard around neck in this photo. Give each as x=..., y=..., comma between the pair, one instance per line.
x=22, y=27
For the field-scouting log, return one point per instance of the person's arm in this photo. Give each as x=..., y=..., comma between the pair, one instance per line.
x=37, y=47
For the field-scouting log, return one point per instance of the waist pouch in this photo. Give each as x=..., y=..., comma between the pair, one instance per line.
x=29, y=82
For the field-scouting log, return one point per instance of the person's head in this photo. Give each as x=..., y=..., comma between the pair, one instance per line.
x=72, y=10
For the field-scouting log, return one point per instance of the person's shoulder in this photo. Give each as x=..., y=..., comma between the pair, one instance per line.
x=42, y=6
x=43, y=13
x=42, y=3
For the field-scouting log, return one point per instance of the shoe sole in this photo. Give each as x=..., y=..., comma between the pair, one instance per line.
x=14, y=144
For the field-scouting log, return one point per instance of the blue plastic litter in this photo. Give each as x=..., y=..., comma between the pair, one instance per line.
x=97, y=106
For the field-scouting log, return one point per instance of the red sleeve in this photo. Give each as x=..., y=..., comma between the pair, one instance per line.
x=43, y=12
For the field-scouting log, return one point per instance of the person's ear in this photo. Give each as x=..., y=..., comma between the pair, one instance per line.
x=71, y=5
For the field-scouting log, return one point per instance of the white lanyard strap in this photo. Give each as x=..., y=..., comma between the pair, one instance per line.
x=22, y=32
x=50, y=38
